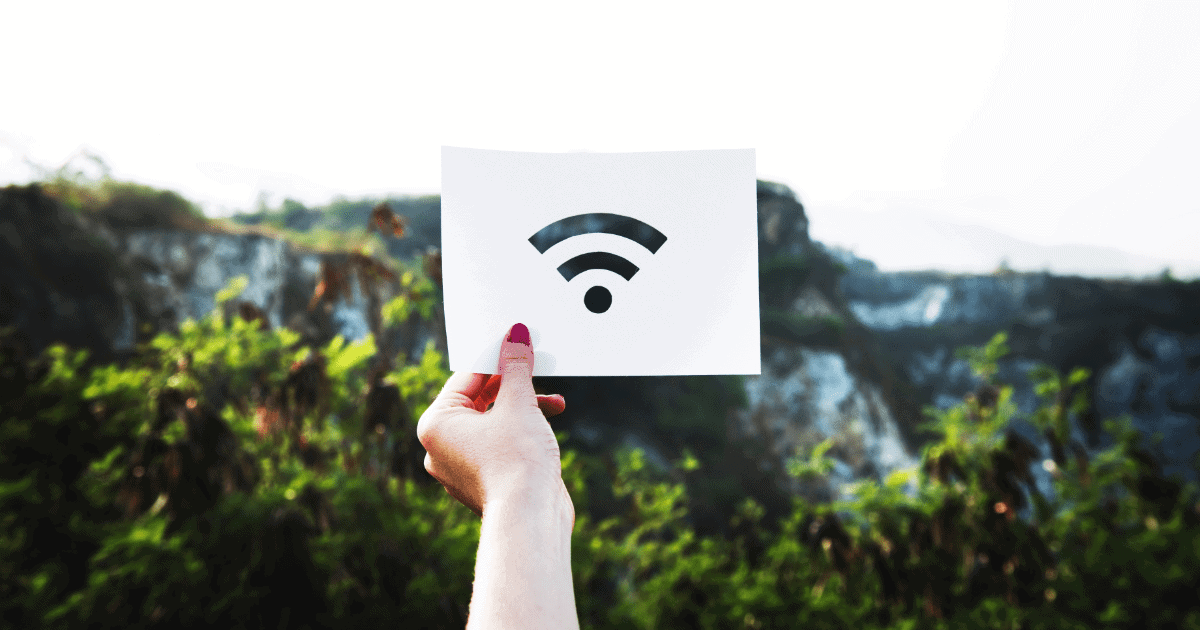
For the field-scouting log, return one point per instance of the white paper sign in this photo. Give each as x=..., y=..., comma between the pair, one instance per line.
x=620, y=264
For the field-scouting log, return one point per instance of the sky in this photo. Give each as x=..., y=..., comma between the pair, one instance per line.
x=919, y=135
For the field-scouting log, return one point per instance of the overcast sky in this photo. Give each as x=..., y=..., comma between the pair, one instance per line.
x=1043, y=123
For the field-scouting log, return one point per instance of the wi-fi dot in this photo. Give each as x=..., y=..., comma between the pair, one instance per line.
x=598, y=299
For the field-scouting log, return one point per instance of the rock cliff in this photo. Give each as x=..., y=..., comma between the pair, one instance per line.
x=1140, y=340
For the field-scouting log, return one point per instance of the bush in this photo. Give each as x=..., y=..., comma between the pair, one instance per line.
x=231, y=478
x=941, y=546
x=781, y=276
x=818, y=332
x=127, y=205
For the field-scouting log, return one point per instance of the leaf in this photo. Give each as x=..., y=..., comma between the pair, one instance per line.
x=688, y=462
x=335, y=345
x=343, y=360
x=822, y=448
x=1078, y=375
x=287, y=337
x=397, y=310
x=23, y=488
x=232, y=290
x=899, y=478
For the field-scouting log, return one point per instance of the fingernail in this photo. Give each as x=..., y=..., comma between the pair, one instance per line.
x=519, y=334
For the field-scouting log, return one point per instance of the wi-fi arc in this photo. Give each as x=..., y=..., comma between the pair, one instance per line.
x=598, y=299
x=597, y=260
x=598, y=222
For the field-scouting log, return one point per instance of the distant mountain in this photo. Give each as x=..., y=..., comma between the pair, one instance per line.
x=904, y=240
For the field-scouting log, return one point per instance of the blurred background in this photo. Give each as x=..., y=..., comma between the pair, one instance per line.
x=929, y=135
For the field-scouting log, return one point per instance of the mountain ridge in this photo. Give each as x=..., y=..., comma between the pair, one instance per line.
x=975, y=249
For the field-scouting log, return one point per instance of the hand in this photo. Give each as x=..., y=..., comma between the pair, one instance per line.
x=483, y=455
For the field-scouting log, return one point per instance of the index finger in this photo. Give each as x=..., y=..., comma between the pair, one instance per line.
x=461, y=390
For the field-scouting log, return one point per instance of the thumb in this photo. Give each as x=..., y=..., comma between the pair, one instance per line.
x=516, y=370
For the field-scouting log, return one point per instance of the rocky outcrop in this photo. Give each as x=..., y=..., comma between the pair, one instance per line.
x=819, y=374
x=66, y=277
x=806, y=396
x=62, y=281
x=1140, y=340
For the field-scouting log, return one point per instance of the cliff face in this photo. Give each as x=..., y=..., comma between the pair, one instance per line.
x=77, y=279
x=848, y=353
x=61, y=280
x=820, y=378
x=1141, y=341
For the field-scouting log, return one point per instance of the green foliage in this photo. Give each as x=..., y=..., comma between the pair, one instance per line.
x=291, y=208
x=342, y=226
x=696, y=411
x=321, y=239
x=897, y=559
x=418, y=295
x=827, y=331
x=226, y=479
x=346, y=212
x=817, y=466
x=124, y=204
x=983, y=360
x=421, y=383
x=780, y=276
x=784, y=266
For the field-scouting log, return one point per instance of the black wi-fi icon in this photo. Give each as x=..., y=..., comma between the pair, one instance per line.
x=597, y=299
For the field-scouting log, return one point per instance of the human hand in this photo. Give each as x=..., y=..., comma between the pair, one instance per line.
x=482, y=455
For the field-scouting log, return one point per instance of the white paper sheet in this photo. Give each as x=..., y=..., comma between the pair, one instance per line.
x=691, y=306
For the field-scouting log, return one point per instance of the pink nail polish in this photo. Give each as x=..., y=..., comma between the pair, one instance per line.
x=519, y=334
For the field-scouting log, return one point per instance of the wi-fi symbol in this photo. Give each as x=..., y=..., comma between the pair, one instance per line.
x=597, y=299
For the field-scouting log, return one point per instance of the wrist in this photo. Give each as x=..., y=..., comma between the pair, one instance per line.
x=545, y=500
x=523, y=567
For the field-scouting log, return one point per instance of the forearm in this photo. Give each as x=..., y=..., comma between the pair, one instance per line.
x=523, y=567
